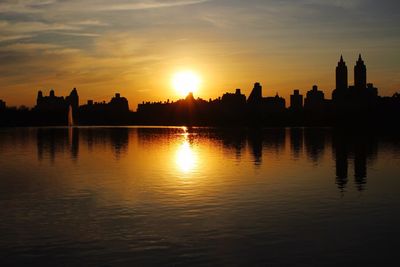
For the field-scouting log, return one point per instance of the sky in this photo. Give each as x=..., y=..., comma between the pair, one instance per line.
x=135, y=47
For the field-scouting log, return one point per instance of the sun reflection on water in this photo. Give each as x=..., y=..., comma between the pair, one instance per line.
x=186, y=157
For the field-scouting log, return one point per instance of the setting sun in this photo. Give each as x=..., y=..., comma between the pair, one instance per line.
x=186, y=82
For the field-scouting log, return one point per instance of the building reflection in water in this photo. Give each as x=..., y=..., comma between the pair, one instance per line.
x=349, y=149
x=255, y=140
x=341, y=154
x=296, y=142
x=119, y=140
x=73, y=140
x=359, y=147
x=234, y=141
x=53, y=141
x=315, y=140
x=269, y=139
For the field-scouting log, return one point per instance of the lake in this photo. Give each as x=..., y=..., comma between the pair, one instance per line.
x=177, y=196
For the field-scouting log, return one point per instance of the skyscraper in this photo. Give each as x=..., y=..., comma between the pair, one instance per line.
x=256, y=94
x=73, y=99
x=296, y=100
x=341, y=75
x=2, y=104
x=315, y=99
x=360, y=74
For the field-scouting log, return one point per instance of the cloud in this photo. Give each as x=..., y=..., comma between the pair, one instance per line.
x=14, y=37
x=149, y=5
x=34, y=26
x=336, y=3
x=28, y=47
x=42, y=6
x=14, y=31
x=38, y=49
x=91, y=22
x=24, y=6
x=81, y=34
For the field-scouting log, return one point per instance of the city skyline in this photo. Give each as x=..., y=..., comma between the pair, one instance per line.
x=359, y=102
x=136, y=48
x=342, y=81
x=199, y=132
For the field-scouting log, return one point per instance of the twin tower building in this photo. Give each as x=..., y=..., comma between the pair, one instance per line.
x=360, y=74
x=361, y=94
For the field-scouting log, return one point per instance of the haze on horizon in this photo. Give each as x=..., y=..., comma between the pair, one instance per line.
x=135, y=47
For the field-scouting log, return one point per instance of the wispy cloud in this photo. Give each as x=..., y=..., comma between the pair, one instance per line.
x=34, y=26
x=24, y=6
x=336, y=3
x=90, y=22
x=142, y=5
x=82, y=34
x=14, y=37
x=28, y=47
x=38, y=6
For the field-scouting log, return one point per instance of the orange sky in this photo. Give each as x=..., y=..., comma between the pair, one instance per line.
x=135, y=47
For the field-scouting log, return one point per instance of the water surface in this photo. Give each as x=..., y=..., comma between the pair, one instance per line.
x=198, y=196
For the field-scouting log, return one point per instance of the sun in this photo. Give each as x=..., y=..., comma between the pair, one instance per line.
x=185, y=82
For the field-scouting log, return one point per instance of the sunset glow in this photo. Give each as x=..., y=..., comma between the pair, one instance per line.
x=186, y=82
x=199, y=132
x=137, y=47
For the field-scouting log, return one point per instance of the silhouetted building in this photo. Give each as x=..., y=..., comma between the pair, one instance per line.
x=190, y=97
x=296, y=100
x=119, y=103
x=357, y=103
x=360, y=74
x=341, y=93
x=372, y=91
x=234, y=100
x=232, y=107
x=53, y=103
x=256, y=94
x=315, y=99
x=50, y=103
x=73, y=100
x=341, y=75
x=274, y=103
x=360, y=97
x=260, y=104
x=114, y=112
x=2, y=104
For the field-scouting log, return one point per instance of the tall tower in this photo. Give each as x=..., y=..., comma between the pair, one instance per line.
x=360, y=74
x=296, y=100
x=341, y=75
x=256, y=94
x=39, y=98
x=73, y=99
